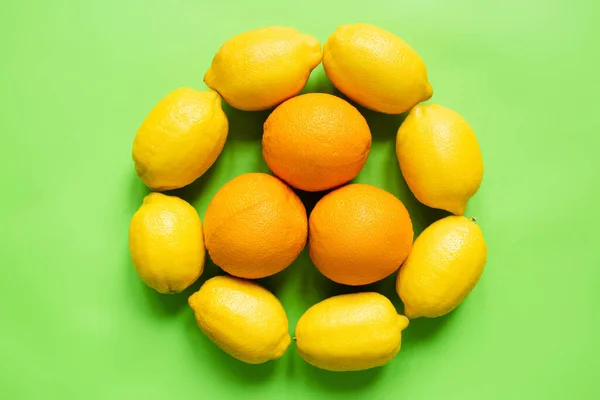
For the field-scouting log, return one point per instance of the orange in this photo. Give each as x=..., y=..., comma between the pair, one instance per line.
x=316, y=141
x=359, y=234
x=255, y=226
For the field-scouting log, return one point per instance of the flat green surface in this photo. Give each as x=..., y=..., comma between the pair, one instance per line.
x=78, y=78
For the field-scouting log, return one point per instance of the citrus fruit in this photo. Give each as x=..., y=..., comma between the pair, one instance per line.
x=375, y=68
x=350, y=332
x=241, y=317
x=166, y=243
x=180, y=139
x=439, y=157
x=255, y=226
x=316, y=141
x=259, y=69
x=443, y=267
x=359, y=234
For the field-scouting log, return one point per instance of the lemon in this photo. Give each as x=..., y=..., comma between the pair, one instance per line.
x=241, y=317
x=444, y=265
x=350, y=332
x=376, y=68
x=180, y=139
x=439, y=157
x=259, y=69
x=166, y=243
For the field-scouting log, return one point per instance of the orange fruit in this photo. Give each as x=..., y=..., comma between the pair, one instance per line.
x=316, y=141
x=255, y=226
x=359, y=234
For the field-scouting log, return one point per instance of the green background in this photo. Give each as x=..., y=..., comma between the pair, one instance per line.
x=78, y=78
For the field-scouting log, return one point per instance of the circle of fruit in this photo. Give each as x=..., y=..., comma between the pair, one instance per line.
x=256, y=225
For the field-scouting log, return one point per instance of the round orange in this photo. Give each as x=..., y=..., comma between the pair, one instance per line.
x=359, y=234
x=316, y=141
x=255, y=226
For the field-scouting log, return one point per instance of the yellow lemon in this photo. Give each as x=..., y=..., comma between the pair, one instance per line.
x=350, y=332
x=241, y=317
x=376, y=68
x=444, y=265
x=180, y=139
x=439, y=157
x=259, y=69
x=166, y=243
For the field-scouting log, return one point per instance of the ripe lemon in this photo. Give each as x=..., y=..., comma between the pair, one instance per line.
x=375, y=68
x=166, y=243
x=444, y=265
x=439, y=157
x=241, y=317
x=259, y=69
x=255, y=226
x=316, y=141
x=359, y=234
x=350, y=332
x=180, y=139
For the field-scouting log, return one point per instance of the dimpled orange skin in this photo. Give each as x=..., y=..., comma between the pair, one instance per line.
x=376, y=68
x=255, y=226
x=359, y=234
x=316, y=141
